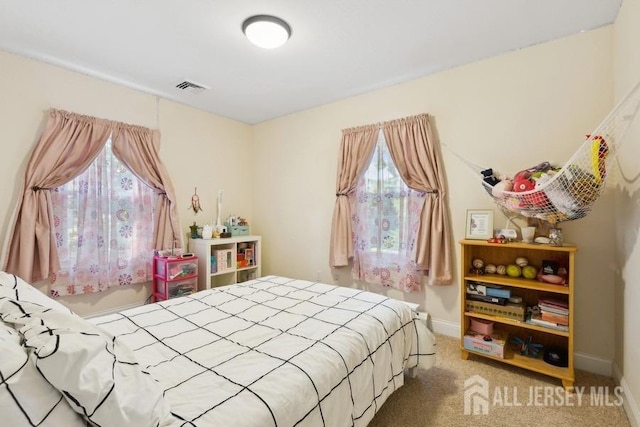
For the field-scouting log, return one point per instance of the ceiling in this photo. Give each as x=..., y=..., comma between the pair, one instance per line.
x=338, y=49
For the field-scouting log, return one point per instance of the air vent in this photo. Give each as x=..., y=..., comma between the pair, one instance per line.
x=191, y=87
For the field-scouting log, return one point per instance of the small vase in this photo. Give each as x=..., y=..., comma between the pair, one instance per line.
x=555, y=237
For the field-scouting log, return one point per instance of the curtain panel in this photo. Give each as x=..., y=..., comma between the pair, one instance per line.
x=67, y=145
x=356, y=149
x=414, y=151
x=413, y=148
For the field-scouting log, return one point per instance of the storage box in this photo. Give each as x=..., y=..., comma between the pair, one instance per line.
x=176, y=289
x=482, y=326
x=510, y=310
x=238, y=230
x=491, y=345
x=224, y=259
x=172, y=269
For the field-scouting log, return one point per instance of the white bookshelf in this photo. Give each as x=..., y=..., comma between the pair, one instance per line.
x=204, y=249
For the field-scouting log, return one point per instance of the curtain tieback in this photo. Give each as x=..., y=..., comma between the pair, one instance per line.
x=342, y=194
x=36, y=188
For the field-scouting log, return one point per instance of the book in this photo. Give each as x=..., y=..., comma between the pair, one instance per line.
x=554, y=318
x=499, y=292
x=475, y=288
x=537, y=320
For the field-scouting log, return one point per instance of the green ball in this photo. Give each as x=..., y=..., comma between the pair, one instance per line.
x=529, y=272
x=513, y=270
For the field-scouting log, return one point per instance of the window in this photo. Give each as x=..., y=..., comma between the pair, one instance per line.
x=103, y=222
x=385, y=220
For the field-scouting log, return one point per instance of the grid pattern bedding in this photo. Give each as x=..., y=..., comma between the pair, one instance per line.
x=275, y=351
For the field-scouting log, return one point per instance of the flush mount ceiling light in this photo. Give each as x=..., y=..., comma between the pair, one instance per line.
x=266, y=31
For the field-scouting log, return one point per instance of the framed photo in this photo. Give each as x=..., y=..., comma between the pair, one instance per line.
x=479, y=224
x=248, y=255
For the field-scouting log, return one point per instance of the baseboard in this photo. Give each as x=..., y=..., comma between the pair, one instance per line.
x=630, y=405
x=444, y=327
x=593, y=364
x=583, y=361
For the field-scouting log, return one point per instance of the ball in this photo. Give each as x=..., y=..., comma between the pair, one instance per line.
x=529, y=272
x=522, y=261
x=490, y=268
x=501, y=269
x=514, y=270
x=478, y=263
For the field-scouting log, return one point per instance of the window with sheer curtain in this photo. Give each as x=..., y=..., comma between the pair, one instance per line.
x=103, y=222
x=385, y=218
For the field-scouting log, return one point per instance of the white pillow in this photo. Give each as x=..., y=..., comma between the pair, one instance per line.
x=97, y=374
x=12, y=286
x=26, y=398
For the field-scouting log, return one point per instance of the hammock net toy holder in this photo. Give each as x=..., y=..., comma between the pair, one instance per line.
x=568, y=193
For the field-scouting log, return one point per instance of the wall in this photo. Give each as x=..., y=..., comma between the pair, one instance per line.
x=199, y=149
x=509, y=112
x=627, y=210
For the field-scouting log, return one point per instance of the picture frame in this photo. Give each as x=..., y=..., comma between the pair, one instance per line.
x=479, y=225
x=248, y=255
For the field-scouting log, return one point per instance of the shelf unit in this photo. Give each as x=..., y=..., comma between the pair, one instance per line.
x=211, y=276
x=530, y=290
x=174, y=277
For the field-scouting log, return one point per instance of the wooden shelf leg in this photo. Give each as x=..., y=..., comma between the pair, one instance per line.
x=568, y=385
x=464, y=354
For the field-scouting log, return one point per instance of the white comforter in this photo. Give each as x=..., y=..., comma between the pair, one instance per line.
x=275, y=352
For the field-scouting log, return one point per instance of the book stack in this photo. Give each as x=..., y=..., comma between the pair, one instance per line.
x=487, y=293
x=554, y=313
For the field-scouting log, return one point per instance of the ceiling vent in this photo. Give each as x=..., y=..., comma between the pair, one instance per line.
x=191, y=87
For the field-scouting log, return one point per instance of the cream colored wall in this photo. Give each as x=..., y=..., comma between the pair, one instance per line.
x=281, y=174
x=199, y=149
x=627, y=209
x=508, y=112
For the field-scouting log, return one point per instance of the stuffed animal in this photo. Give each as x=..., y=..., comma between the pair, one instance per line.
x=502, y=186
x=489, y=177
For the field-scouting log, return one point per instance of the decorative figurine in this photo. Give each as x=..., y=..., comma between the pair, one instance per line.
x=195, y=201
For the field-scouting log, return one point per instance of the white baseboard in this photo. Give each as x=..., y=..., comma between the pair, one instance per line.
x=593, y=364
x=444, y=327
x=630, y=405
x=583, y=361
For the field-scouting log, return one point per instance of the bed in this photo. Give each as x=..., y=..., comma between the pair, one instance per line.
x=274, y=351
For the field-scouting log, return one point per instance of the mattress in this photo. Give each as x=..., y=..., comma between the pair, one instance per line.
x=273, y=351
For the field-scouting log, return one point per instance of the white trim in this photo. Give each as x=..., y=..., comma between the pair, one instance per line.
x=630, y=405
x=593, y=364
x=112, y=310
x=445, y=327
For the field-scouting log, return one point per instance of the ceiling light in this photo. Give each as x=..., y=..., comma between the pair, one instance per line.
x=266, y=31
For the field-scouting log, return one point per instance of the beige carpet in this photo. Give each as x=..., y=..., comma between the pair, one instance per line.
x=436, y=397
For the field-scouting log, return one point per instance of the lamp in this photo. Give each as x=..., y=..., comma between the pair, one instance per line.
x=266, y=31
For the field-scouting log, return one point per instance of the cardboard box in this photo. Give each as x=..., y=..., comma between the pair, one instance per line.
x=480, y=343
x=510, y=311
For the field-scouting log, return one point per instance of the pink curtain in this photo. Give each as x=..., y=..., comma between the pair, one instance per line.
x=68, y=144
x=356, y=149
x=138, y=149
x=413, y=148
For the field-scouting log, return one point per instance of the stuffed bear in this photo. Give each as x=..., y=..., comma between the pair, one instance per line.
x=489, y=177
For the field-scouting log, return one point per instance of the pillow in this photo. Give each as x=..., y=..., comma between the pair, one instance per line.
x=12, y=286
x=26, y=398
x=96, y=373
